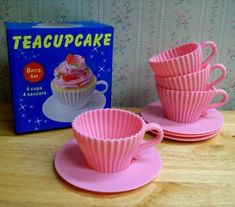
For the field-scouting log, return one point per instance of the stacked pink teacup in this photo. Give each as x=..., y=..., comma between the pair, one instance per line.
x=182, y=81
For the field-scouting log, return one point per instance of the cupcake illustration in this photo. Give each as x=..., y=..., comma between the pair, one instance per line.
x=74, y=83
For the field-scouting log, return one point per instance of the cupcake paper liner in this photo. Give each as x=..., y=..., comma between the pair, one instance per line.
x=197, y=81
x=73, y=99
x=111, y=138
x=191, y=82
x=188, y=106
x=181, y=60
x=108, y=138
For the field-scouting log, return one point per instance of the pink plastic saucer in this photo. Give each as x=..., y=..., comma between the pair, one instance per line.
x=71, y=166
x=211, y=122
x=196, y=139
x=190, y=138
x=189, y=135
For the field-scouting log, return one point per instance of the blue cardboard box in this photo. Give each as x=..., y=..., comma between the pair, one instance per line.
x=58, y=70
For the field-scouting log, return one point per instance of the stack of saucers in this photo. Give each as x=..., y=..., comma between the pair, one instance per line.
x=185, y=110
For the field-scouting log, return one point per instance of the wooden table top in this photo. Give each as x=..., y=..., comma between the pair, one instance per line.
x=193, y=174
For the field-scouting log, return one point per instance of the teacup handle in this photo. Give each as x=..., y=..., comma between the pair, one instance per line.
x=221, y=68
x=102, y=82
x=214, y=49
x=223, y=101
x=152, y=142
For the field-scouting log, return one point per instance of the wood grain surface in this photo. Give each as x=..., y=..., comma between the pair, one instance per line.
x=193, y=174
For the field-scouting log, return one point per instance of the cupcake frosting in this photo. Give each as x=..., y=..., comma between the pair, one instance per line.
x=73, y=72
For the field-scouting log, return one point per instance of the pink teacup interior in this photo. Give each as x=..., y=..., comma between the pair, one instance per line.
x=108, y=124
x=175, y=52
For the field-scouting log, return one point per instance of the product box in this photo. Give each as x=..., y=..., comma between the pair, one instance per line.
x=58, y=70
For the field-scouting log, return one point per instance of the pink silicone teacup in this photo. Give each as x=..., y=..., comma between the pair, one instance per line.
x=182, y=60
x=111, y=138
x=197, y=81
x=189, y=106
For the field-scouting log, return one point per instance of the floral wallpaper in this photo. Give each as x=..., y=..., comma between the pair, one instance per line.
x=142, y=28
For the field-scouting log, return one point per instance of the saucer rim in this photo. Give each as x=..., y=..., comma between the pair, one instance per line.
x=76, y=112
x=192, y=139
